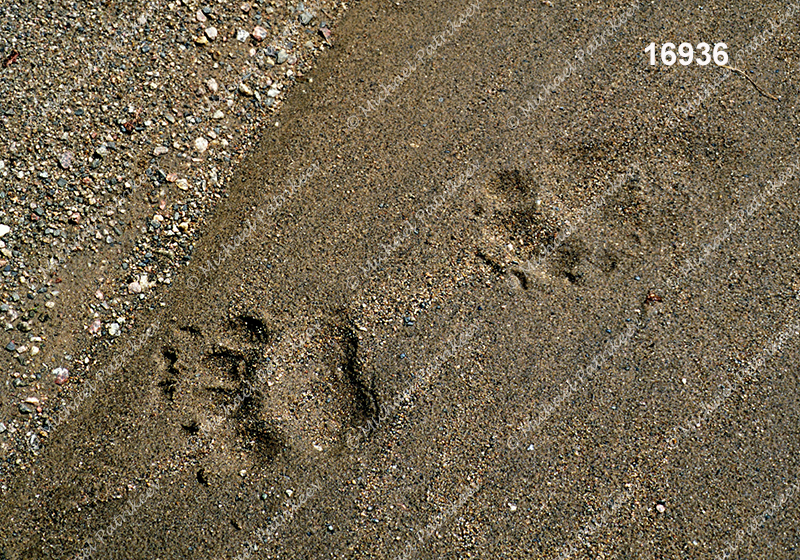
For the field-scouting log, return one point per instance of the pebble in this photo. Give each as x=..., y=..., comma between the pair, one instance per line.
x=183, y=184
x=160, y=150
x=211, y=33
x=244, y=89
x=661, y=508
x=4, y=229
x=11, y=346
x=242, y=35
x=201, y=144
x=113, y=329
x=200, y=16
x=305, y=18
x=259, y=33
x=2, y=428
x=281, y=57
x=62, y=375
x=212, y=85
x=34, y=350
x=95, y=327
x=218, y=115
x=134, y=287
x=65, y=161
x=25, y=409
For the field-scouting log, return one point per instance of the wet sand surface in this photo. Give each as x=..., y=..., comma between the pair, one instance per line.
x=452, y=323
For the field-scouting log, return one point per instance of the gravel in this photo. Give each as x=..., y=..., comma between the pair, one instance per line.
x=121, y=126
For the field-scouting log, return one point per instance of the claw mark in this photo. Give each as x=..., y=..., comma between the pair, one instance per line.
x=169, y=384
x=191, y=330
x=496, y=268
x=191, y=428
x=256, y=327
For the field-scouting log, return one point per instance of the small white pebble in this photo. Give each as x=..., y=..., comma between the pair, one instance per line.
x=201, y=144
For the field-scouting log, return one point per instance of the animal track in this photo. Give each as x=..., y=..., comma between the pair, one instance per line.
x=258, y=387
x=516, y=234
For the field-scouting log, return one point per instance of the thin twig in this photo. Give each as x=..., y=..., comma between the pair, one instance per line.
x=755, y=85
